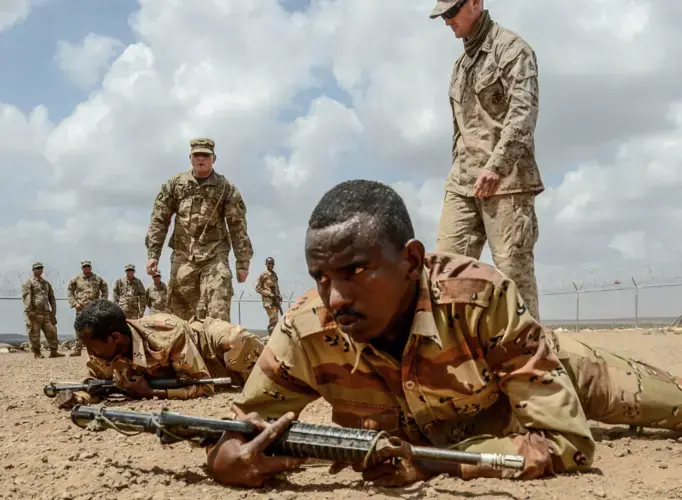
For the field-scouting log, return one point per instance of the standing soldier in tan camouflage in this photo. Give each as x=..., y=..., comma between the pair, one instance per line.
x=156, y=295
x=202, y=201
x=82, y=289
x=40, y=312
x=491, y=188
x=129, y=294
x=268, y=288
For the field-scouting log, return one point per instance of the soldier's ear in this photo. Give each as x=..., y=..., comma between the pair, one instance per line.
x=414, y=255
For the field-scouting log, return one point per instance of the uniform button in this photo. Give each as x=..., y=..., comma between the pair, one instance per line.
x=409, y=385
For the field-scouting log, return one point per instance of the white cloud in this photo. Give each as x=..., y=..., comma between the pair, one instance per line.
x=13, y=12
x=84, y=63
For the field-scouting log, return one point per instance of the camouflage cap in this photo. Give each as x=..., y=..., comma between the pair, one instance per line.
x=130, y=267
x=442, y=6
x=202, y=145
x=86, y=263
x=37, y=265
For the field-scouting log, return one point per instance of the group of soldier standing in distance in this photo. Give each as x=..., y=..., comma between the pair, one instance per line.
x=437, y=348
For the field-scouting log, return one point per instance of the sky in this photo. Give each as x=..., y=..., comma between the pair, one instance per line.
x=98, y=102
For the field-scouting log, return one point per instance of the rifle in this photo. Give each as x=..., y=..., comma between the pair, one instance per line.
x=301, y=440
x=278, y=299
x=107, y=386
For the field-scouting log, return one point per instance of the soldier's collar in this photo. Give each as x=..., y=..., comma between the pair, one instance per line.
x=211, y=179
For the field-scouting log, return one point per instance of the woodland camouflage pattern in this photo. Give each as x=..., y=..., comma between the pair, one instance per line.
x=267, y=281
x=130, y=296
x=478, y=374
x=155, y=298
x=40, y=308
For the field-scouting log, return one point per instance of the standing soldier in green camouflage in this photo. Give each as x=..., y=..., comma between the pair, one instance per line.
x=491, y=188
x=268, y=288
x=40, y=311
x=82, y=289
x=129, y=294
x=156, y=295
x=202, y=201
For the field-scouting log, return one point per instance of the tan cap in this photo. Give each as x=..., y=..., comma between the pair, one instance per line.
x=202, y=145
x=86, y=263
x=442, y=6
x=37, y=265
x=130, y=267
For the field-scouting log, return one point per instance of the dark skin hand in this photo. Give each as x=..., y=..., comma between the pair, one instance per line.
x=137, y=388
x=234, y=461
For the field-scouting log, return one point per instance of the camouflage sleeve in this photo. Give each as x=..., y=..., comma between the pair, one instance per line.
x=188, y=363
x=26, y=296
x=540, y=392
x=455, y=126
x=262, y=290
x=117, y=291
x=282, y=379
x=162, y=212
x=51, y=299
x=72, y=293
x=148, y=298
x=520, y=79
x=141, y=296
x=235, y=215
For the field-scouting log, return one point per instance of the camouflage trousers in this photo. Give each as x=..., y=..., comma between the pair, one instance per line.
x=202, y=288
x=131, y=313
x=77, y=344
x=36, y=323
x=622, y=391
x=509, y=224
x=273, y=316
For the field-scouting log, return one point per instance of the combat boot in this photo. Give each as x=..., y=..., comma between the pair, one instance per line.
x=38, y=355
x=55, y=354
x=74, y=354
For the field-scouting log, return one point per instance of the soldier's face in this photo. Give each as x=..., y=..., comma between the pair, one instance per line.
x=270, y=265
x=38, y=272
x=107, y=349
x=202, y=163
x=87, y=270
x=130, y=274
x=364, y=283
x=462, y=17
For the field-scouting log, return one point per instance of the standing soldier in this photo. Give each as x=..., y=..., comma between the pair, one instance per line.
x=268, y=288
x=129, y=294
x=82, y=289
x=491, y=188
x=156, y=295
x=40, y=311
x=203, y=201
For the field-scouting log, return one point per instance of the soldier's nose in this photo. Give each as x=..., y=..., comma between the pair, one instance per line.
x=339, y=298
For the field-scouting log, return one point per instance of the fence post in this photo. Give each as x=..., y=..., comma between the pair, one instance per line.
x=577, y=306
x=290, y=300
x=636, y=302
x=239, y=307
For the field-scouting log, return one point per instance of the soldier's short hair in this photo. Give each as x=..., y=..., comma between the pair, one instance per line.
x=103, y=318
x=363, y=197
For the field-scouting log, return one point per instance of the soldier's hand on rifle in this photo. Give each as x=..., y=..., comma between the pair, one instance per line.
x=138, y=388
x=152, y=265
x=234, y=461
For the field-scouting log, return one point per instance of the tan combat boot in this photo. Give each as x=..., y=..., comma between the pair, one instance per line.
x=38, y=355
x=55, y=354
x=74, y=354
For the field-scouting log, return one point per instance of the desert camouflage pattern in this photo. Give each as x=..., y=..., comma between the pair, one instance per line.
x=510, y=226
x=267, y=282
x=155, y=298
x=40, y=308
x=83, y=289
x=477, y=374
x=130, y=296
x=494, y=99
x=202, y=289
x=228, y=350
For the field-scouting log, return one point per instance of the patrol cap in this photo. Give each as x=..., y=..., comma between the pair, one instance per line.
x=442, y=6
x=202, y=145
x=86, y=263
x=130, y=267
x=37, y=265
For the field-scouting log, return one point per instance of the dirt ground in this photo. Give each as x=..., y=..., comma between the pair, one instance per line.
x=44, y=456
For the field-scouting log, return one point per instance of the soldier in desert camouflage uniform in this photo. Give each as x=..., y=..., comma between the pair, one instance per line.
x=40, y=312
x=129, y=294
x=491, y=188
x=268, y=288
x=160, y=346
x=156, y=295
x=438, y=349
x=82, y=289
x=202, y=201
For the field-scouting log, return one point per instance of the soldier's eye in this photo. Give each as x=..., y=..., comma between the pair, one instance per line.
x=358, y=269
x=321, y=278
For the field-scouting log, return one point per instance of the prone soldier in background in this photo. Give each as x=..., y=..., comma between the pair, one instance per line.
x=40, y=311
x=82, y=289
x=156, y=295
x=129, y=293
x=202, y=201
x=268, y=288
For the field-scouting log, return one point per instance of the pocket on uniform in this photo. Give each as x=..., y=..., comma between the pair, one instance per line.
x=525, y=226
x=490, y=93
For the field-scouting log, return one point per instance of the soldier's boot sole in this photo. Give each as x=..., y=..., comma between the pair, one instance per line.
x=55, y=354
x=74, y=354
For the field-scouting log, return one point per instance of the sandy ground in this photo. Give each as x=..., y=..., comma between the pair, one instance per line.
x=44, y=456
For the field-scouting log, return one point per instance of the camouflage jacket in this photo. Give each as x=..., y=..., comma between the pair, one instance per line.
x=268, y=281
x=38, y=297
x=155, y=298
x=478, y=372
x=83, y=289
x=494, y=100
x=129, y=294
x=201, y=211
